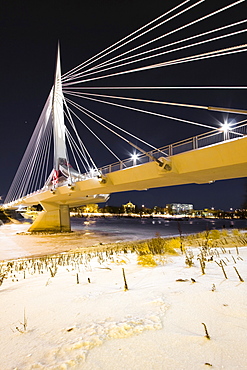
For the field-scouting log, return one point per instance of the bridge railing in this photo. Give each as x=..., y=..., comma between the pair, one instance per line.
x=192, y=143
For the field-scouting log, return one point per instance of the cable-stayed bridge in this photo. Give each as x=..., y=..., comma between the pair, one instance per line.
x=58, y=170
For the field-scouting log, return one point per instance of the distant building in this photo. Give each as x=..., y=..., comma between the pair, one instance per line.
x=129, y=207
x=179, y=208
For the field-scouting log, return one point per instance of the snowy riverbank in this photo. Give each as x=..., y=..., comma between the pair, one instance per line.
x=82, y=318
x=16, y=244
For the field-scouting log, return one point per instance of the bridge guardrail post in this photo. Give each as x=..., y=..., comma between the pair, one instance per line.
x=195, y=142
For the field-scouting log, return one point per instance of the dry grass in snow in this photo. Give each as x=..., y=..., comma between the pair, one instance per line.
x=71, y=311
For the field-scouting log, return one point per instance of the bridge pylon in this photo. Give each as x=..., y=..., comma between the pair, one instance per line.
x=60, y=151
x=55, y=217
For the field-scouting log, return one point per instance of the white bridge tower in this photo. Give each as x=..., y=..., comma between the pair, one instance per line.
x=60, y=152
x=56, y=216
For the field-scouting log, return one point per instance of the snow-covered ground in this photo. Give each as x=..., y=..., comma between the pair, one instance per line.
x=15, y=244
x=82, y=318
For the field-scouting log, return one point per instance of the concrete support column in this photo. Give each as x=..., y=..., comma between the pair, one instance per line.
x=53, y=218
x=64, y=218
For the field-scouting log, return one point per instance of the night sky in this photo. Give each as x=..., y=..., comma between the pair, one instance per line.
x=29, y=33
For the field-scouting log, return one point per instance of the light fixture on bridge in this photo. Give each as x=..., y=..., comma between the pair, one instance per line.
x=225, y=128
x=134, y=158
x=71, y=187
x=93, y=172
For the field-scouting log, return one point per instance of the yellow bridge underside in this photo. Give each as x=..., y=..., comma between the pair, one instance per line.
x=221, y=161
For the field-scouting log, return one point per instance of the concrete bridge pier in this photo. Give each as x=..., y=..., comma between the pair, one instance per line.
x=53, y=218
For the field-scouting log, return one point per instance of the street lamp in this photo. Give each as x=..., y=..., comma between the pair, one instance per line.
x=134, y=157
x=226, y=128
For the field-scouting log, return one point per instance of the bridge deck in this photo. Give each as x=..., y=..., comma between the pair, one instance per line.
x=221, y=161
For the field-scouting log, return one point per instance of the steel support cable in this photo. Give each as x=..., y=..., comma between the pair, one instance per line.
x=58, y=115
x=119, y=128
x=180, y=28
x=80, y=153
x=126, y=140
x=73, y=151
x=144, y=111
x=76, y=149
x=166, y=52
x=17, y=183
x=67, y=156
x=167, y=45
x=92, y=132
x=99, y=55
x=49, y=157
x=29, y=170
x=86, y=168
x=14, y=189
x=176, y=30
x=17, y=188
x=82, y=147
x=42, y=176
x=35, y=163
x=85, y=151
x=23, y=180
x=47, y=153
x=74, y=76
x=212, y=54
x=33, y=176
x=44, y=155
x=159, y=88
x=183, y=105
x=35, y=147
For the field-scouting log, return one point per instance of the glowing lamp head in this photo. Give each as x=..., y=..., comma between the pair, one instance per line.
x=134, y=156
x=225, y=127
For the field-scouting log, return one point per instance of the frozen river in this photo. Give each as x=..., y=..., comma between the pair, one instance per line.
x=144, y=228
x=93, y=231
